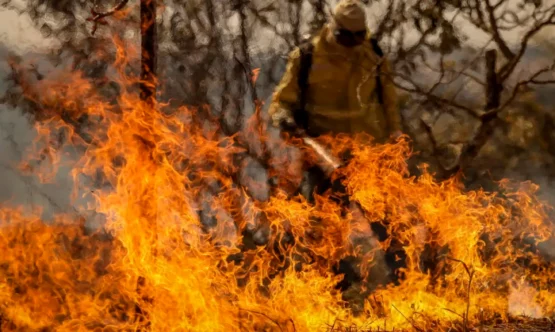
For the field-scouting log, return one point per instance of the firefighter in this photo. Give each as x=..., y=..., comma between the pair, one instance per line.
x=338, y=82
x=346, y=88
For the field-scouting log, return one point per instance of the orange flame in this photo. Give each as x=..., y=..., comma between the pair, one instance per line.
x=255, y=74
x=160, y=268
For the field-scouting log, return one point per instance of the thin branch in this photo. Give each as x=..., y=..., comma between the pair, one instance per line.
x=509, y=67
x=512, y=20
x=265, y=22
x=385, y=21
x=464, y=70
x=428, y=130
x=531, y=80
x=293, y=322
x=470, y=276
x=481, y=19
x=441, y=73
x=470, y=76
x=408, y=320
x=542, y=82
x=461, y=88
x=454, y=312
x=420, y=91
x=264, y=315
x=498, y=4
x=421, y=40
x=98, y=17
x=495, y=31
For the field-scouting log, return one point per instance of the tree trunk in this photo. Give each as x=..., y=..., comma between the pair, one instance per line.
x=490, y=120
x=147, y=94
x=148, y=50
x=493, y=88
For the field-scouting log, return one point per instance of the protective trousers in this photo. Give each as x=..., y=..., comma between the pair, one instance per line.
x=354, y=281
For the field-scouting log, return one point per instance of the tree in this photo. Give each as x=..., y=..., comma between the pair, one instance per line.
x=439, y=46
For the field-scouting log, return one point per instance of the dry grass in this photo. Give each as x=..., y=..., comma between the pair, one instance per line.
x=515, y=324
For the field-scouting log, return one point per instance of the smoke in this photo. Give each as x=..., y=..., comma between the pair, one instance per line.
x=521, y=302
x=16, y=137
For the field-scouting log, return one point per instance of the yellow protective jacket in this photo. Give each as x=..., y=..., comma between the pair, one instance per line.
x=341, y=95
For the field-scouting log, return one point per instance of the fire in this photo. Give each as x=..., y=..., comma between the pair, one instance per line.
x=156, y=265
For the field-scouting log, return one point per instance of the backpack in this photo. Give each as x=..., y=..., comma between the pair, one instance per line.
x=306, y=49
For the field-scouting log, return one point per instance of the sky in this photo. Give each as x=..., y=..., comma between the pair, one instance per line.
x=18, y=34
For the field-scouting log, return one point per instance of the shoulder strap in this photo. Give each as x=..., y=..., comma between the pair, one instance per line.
x=306, y=49
x=379, y=52
x=376, y=47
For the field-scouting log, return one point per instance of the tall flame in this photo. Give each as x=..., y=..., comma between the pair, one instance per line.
x=157, y=266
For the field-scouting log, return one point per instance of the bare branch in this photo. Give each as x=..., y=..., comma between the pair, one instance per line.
x=428, y=129
x=420, y=41
x=98, y=17
x=495, y=31
x=542, y=82
x=386, y=20
x=481, y=19
x=265, y=22
x=498, y=4
x=461, y=88
x=511, y=18
x=508, y=68
x=532, y=80
x=464, y=71
x=442, y=74
x=416, y=89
